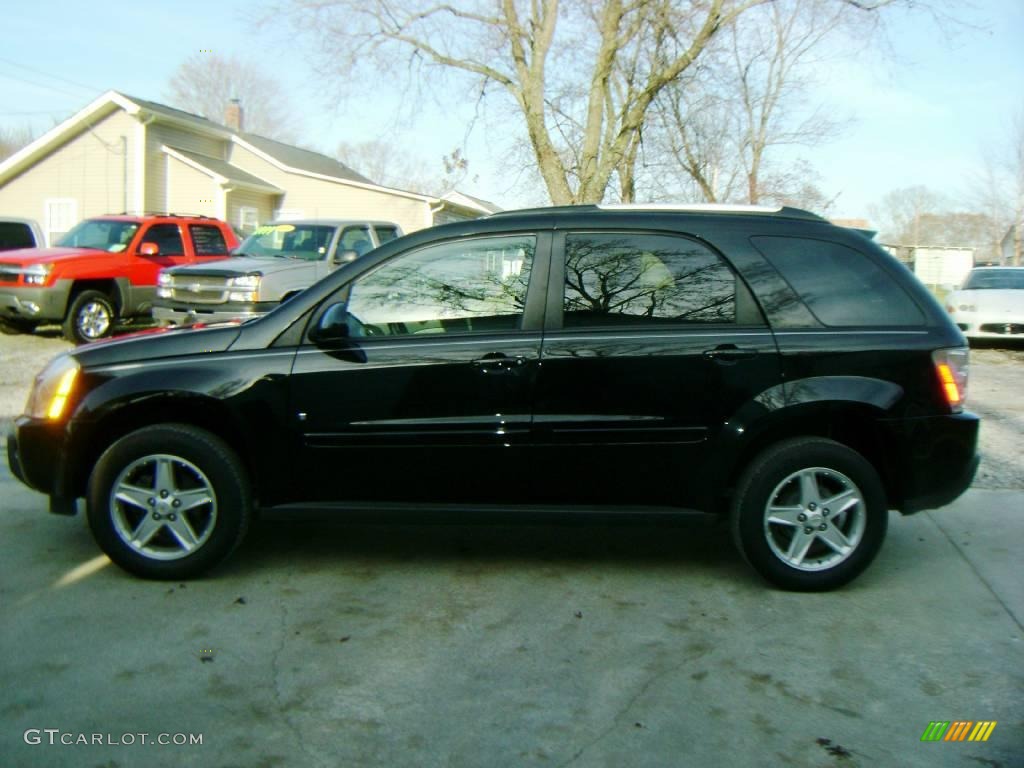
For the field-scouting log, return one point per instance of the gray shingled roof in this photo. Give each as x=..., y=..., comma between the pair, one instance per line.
x=225, y=169
x=286, y=154
x=303, y=159
x=178, y=114
x=485, y=204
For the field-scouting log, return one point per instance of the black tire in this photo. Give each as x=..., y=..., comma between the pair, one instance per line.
x=13, y=327
x=91, y=316
x=799, y=478
x=207, y=480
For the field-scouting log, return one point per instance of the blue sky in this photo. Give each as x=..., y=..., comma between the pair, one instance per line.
x=924, y=115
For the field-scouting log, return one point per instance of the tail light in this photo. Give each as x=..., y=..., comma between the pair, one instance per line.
x=951, y=366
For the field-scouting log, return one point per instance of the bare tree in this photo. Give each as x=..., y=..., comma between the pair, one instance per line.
x=205, y=84
x=901, y=214
x=722, y=128
x=388, y=165
x=13, y=139
x=582, y=74
x=998, y=190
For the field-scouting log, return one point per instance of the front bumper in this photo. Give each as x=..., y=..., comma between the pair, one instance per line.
x=178, y=315
x=981, y=325
x=39, y=303
x=929, y=461
x=35, y=454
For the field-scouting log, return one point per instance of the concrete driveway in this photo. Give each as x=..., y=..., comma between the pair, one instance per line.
x=330, y=644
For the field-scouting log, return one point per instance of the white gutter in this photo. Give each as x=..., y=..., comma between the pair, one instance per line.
x=431, y=211
x=140, y=163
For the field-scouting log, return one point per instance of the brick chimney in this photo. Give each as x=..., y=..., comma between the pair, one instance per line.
x=233, y=115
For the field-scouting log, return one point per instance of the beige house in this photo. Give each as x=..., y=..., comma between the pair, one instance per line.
x=122, y=154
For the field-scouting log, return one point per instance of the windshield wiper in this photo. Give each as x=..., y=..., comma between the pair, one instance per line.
x=285, y=256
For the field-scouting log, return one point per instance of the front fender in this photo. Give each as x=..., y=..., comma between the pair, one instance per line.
x=244, y=407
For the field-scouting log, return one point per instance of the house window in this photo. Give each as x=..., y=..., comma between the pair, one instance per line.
x=60, y=215
x=248, y=219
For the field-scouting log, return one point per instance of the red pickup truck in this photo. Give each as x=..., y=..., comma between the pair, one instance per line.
x=103, y=270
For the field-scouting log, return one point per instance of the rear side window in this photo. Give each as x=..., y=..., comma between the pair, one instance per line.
x=207, y=240
x=841, y=286
x=386, y=234
x=640, y=279
x=14, y=234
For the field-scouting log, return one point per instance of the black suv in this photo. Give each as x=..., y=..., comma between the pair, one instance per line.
x=757, y=363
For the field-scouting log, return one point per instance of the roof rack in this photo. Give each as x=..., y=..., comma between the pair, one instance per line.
x=761, y=210
x=161, y=213
x=691, y=207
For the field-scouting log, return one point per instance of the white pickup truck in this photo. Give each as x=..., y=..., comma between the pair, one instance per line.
x=270, y=266
x=20, y=233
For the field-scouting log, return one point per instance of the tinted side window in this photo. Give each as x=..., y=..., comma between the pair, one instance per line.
x=841, y=286
x=207, y=240
x=463, y=286
x=167, y=238
x=385, y=234
x=639, y=279
x=14, y=234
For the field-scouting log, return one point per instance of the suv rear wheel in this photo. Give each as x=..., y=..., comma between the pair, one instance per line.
x=169, y=501
x=90, y=317
x=809, y=514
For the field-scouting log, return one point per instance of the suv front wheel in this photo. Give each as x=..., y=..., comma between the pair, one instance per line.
x=90, y=317
x=809, y=514
x=169, y=501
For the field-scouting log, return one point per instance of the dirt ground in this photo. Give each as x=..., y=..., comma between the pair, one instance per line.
x=995, y=392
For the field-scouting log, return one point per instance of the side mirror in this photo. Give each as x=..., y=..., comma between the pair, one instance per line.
x=333, y=325
x=149, y=249
x=345, y=257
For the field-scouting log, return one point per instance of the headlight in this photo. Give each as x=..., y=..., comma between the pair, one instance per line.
x=246, y=281
x=52, y=388
x=163, y=286
x=36, y=274
x=250, y=285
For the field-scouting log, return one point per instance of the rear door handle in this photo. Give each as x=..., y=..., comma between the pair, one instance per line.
x=729, y=353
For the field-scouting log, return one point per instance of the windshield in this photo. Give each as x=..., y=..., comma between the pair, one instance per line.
x=308, y=242
x=995, y=278
x=101, y=234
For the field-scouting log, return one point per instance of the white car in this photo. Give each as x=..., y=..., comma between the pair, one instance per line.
x=990, y=305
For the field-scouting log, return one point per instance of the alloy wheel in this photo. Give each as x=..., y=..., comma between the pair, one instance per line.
x=163, y=507
x=814, y=519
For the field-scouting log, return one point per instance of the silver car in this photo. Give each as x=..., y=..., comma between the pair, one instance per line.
x=270, y=266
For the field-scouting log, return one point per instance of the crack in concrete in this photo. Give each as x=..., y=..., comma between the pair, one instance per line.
x=275, y=671
x=657, y=677
x=981, y=577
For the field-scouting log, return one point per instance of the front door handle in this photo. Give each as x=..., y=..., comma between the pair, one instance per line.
x=499, y=361
x=729, y=353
